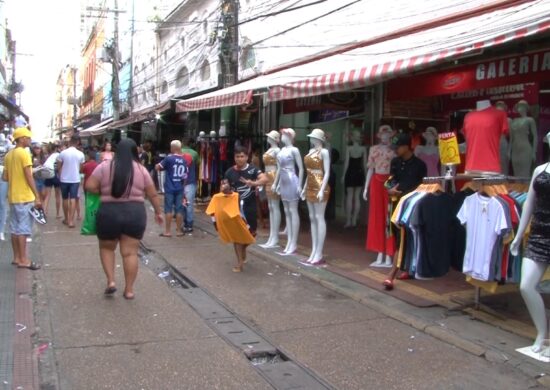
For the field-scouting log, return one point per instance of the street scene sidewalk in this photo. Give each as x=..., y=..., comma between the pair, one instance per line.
x=341, y=333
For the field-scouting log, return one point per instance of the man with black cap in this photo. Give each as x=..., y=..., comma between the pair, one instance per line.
x=406, y=170
x=406, y=173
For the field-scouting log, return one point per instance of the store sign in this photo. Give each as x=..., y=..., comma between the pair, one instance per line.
x=449, y=153
x=511, y=70
x=340, y=101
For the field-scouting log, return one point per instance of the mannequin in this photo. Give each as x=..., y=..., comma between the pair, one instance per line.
x=504, y=144
x=429, y=153
x=523, y=141
x=355, y=166
x=287, y=184
x=270, y=163
x=316, y=191
x=537, y=253
x=378, y=238
x=483, y=130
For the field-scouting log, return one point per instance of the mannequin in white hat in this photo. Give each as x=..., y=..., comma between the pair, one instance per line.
x=287, y=184
x=317, y=191
x=355, y=166
x=429, y=153
x=270, y=163
x=536, y=256
x=523, y=141
x=378, y=238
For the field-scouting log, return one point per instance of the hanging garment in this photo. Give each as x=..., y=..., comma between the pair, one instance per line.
x=485, y=221
x=432, y=162
x=379, y=237
x=288, y=180
x=355, y=174
x=380, y=157
x=270, y=163
x=229, y=221
x=315, y=174
x=538, y=244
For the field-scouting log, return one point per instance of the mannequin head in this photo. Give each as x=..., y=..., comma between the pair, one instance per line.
x=213, y=134
x=522, y=108
x=385, y=133
x=355, y=137
x=317, y=138
x=501, y=105
x=430, y=135
x=287, y=136
x=273, y=138
x=201, y=136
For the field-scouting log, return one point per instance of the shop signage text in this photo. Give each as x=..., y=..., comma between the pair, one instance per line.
x=488, y=74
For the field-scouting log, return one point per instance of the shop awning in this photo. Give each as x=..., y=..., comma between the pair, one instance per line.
x=97, y=129
x=387, y=59
x=13, y=108
x=138, y=116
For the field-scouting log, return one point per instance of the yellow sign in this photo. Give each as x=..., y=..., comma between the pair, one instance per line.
x=448, y=149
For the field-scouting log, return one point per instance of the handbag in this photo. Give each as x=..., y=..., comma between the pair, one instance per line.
x=41, y=172
x=92, y=203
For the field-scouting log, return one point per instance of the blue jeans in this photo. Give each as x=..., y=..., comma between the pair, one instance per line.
x=173, y=203
x=190, y=191
x=3, y=204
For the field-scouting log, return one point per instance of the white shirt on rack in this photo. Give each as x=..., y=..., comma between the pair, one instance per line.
x=485, y=221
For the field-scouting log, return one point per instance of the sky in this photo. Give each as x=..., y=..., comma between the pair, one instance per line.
x=47, y=36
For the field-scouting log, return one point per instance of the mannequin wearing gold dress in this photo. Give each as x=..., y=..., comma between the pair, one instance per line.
x=273, y=199
x=316, y=191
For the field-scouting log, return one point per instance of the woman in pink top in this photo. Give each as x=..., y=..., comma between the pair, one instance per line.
x=123, y=184
x=107, y=153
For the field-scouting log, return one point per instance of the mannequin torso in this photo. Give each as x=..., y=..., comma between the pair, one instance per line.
x=429, y=153
x=523, y=133
x=313, y=162
x=289, y=183
x=270, y=163
x=354, y=165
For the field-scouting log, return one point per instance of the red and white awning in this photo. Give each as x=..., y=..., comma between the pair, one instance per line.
x=372, y=64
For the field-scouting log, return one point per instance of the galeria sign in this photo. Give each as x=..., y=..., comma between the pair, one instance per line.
x=511, y=70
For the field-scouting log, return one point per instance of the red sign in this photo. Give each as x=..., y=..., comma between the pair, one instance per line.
x=517, y=69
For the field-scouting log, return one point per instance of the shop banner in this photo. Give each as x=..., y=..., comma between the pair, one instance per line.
x=511, y=70
x=449, y=153
x=341, y=101
x=509, y=94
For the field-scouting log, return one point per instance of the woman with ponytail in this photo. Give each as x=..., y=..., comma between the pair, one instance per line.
x=123, y=183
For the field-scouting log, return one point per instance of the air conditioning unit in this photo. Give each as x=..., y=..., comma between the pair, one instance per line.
x=73, y=100
x=102, y=55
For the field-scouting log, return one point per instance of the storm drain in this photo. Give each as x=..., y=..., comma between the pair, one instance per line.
x=270, y=362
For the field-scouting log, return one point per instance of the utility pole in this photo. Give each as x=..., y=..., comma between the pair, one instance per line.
x=228, y=34
x=129, y=94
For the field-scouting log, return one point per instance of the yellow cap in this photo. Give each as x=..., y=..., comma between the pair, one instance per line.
x=21, y=132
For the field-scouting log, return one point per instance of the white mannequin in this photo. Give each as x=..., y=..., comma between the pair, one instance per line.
x=290, y=206
x=353, y=193
x=429, y=153
x=504, y=144
x=532, y=271
x=213, y=134
x=201, y=136
x=273, y=138
x=317, y=208
x=384, y=134
x=523, y=141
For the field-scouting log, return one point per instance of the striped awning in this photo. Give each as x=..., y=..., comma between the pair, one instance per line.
x=387, y=59
x=97, y=129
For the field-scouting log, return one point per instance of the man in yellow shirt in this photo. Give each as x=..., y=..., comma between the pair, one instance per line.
x=22, y=195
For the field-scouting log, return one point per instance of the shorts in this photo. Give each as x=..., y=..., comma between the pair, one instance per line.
x=53, y=182
x=40, y=184
x=250, y=211
x=21, y=219
x=115, y=219
x=173, y=202
x=69, y=190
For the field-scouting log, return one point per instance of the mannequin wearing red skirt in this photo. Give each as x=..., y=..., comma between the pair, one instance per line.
x=379, y=236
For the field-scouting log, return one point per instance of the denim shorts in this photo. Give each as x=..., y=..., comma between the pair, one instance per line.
x=173, y=202
x=69, y=190
x=39, y=184
x=21, y=219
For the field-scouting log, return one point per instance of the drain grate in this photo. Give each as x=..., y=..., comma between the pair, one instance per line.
x=270, y=362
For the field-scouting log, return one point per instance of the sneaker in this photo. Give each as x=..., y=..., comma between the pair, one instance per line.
x=38, y=215
x=188, y=230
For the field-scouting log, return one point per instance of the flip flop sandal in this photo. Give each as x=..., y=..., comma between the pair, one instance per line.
x=32, y=266
x=110, y=290
x=129, y=297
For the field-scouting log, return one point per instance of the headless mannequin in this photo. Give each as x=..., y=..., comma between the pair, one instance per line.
x=317, y=209
x=382, y=259
x=504, y=144
x=429, y=153
x=273, y=204
x=353, y=190
x=532, y=271
x=523, y=141
x=290, y=207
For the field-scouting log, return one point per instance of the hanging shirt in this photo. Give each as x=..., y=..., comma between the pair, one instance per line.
x=483, y=130
x=485, y=221
x=230, y=224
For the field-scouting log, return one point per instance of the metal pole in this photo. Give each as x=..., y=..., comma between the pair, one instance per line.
x=131, y=86
x=73, y=122
x=115, y=85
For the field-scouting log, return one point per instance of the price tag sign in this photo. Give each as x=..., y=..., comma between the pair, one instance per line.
x=448, y=149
